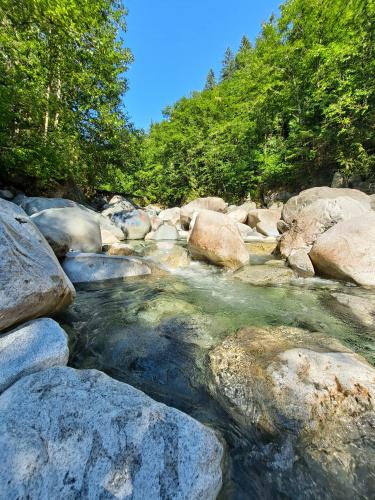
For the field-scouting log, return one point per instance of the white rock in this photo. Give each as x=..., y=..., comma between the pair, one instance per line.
x=171, y=215
x=87, y=267
x=32, y=347
x=32, y=282
x=81, y=434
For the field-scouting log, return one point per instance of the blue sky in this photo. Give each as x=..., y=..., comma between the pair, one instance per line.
x=176, y=42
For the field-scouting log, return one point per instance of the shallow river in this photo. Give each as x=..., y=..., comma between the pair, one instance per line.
x=155, y=332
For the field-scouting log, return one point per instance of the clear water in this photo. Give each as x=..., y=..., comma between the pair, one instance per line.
x=155, y=332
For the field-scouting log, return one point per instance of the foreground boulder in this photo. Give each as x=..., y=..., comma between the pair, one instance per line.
x=314, y=219
x=215, y=238
x=87, y=267
x=212, y=203
x=80, y=226
x=320, y=398
x=347, y=251
x=33, y=347
x=264, y=221
x=32, y=282
x=295, y=204
x=135, y=224
x=81, y=434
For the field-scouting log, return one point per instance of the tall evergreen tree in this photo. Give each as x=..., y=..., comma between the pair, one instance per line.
x=228, y=65
x=210, y=81
x=245, y=44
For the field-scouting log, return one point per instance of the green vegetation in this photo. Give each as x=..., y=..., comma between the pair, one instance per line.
x=288, y=112
x=61, y=82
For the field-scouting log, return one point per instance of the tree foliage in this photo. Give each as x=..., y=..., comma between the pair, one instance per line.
x=289, y=111
x=62, y=65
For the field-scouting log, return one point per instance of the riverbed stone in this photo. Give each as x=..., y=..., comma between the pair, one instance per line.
x=81, y=434
x=32, y=282
x=88, y=267
x=32, y=347
x=215, y=238
x=119, y=248
x=265, y=275
x=300, y=262
x=212, y=203
x=347, y=251
x=315, y=219
x=82, y=227
x=170, y=255
x=360, y=309
x=261, y=246
x=165, y=232
x=135, y=224
x=293, y=206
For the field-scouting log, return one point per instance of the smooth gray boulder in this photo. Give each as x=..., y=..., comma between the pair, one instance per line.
x=66, y=433
x=33, y=205
x=86, y=267
x=171, y=215
x=293, y=206
x=6, y=194
x=165, y=232
x=81, y=226
x=117, y=204
x=135, y=224
x=32, y=347
x=32, y=282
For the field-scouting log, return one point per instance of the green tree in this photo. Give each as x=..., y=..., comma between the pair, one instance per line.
x=228, y=64
x=210, y=81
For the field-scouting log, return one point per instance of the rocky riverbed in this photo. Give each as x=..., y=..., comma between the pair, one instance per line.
x=255, y=341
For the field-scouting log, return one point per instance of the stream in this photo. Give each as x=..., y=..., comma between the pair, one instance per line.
x=155, y=333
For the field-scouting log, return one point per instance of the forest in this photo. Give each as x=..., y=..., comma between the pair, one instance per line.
x=286, y=112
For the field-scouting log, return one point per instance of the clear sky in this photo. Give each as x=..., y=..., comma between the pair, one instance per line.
x=176, y=42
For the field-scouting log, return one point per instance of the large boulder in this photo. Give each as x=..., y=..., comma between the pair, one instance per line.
x=171, y=215
x=32, y=282
x=212, y=203
x=264, y=221
x=303, y=390
x=300, y=262
x=110, y=233
x=314, y=219
x=81, y=434
x=36, y=204
x=215, y=238
x=165, y=232
x=87, y=267
x=135, y=224
x=297, y=203
x=238, y=215
x=32, y=347
x=81, y=226
x=347, y=250
x=117, y=204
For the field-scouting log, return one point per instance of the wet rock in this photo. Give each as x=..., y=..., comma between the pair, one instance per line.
x=264, y=275
x=216, y=239
x=261, y=247
x=80, y=226
x=161, y=308
x=32, y=282
x=32, y=347
x=87, y=267
x=212, y=203
x=170, y=255
x=5, y=194
x=264, y=221
x=171, y=215
x=347, y=251
x=82, y=434
x=300, y=262
x=310, y=393
x=120, y=249
x=315, y=219
x=135, y=224
x=357, y=308
x=305, y=198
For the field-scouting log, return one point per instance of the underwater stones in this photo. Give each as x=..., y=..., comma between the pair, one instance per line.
x=360, y=309
x=82, y=434
x=215, y=238
x=32, y=282
x=265, y=275
x=347, y=251
x=120, y=248
x=88, y=267
x=32, y=347
x=161, y=308
x=170, y=255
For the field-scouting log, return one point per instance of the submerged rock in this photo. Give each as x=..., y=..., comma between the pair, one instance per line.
x=170, y=255
x=347, y=250
x=310, y=393
x=32, y=282
x=82, y=434
x=120, y=249
x=32, y=347
x=357, y=308
x=265, y=275
x=216, y=239
x=86, y=267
